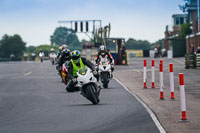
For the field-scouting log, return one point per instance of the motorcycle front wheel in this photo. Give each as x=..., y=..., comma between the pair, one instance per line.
x=91, y=93
x=105, y=80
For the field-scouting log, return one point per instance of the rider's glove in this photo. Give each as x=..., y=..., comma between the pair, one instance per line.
x=74, y=80
x=97, y=68
x=95, y=72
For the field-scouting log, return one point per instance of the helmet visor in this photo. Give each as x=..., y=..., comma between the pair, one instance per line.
x=75, y=58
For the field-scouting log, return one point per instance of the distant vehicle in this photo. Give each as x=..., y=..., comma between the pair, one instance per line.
x=52, y=57
x=12, y=57
x=41, y=55
x=33, y=56
x=156, y=52
x=163, y=52
x=25, y=56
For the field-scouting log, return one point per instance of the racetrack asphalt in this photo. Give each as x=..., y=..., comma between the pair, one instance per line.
x=33, y=100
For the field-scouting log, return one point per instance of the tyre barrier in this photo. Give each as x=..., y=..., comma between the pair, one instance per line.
x=190, y=61
x=198, y=61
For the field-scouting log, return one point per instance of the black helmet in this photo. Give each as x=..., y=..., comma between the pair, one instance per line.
x=66, y=53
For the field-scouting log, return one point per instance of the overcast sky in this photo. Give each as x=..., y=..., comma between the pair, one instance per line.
x=36, y=20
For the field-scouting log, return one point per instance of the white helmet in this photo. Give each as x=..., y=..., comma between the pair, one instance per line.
x=64, y=46
x=52, y=49
x=102, y=49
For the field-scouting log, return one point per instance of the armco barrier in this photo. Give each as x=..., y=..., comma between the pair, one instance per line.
x=4, y=59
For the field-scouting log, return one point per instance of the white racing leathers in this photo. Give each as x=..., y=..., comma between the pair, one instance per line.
x=41, y=55
x=88, y=85
x=104, y=70
x=52, y=57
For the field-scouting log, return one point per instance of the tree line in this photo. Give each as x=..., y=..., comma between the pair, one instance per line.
x=143, y=44
x=15, y=45
x=12, y=45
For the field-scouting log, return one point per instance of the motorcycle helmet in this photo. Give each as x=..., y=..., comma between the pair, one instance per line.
x=76, y=56
x=102, y=49
x=60, y=48
x=64, y=46
x=52, y=49
x=66, y=53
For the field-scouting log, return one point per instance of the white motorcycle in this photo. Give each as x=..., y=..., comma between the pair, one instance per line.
x=105, y=74
x=88, y=85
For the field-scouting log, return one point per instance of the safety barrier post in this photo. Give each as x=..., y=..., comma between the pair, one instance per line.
x=161, y=61
x=145, y=74
x=153, y=73
x=171, y=77
x=161, y=80
x=182, y=96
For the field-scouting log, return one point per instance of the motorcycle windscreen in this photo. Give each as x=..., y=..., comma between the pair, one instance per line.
x=104, y=63
x=82, y=71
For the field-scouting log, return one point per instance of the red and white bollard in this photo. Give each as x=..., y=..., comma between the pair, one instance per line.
x=171, y=78
x=153, y=73
x=182, y=96
x=161, y=61
x=145, y=74
x=161, y=82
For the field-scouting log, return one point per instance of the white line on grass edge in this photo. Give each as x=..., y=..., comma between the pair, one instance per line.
x=154, y=118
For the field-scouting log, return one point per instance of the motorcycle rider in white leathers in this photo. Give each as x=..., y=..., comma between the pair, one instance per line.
x=52, y=55
x=102, y=55
x=41, y=55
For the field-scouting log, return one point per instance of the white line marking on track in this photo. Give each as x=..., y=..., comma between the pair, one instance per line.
x=154, y=118
x=28, y=73
x=137, y=70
